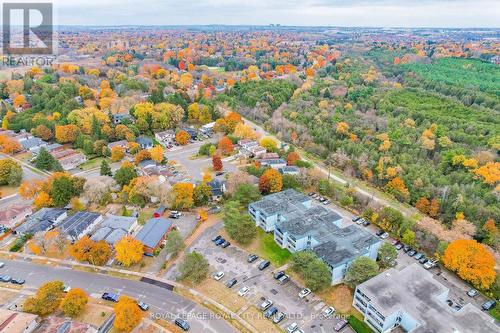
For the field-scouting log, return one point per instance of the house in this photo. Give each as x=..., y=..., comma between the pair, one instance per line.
x=122, y=117
x=122, y=144
x=274, y=163
x=246, y=143
x=299, y=225
x=17, y=322
x=257, y=151
x=165, y=136
x=49, y=147
x=289, y=170
x=144, y=142
x=270, y=156
x=114, y=228
x=192, y=132
x=14, y=214
x=42, y=220
x=153, y=233
x=414, y=301
x=79, y=224
x=218, y=188
x=33, y=143
x=207, y=128
x=71, y=160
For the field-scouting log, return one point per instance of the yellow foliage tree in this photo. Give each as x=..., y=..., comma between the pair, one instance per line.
x=127, y=314
x=129, y=251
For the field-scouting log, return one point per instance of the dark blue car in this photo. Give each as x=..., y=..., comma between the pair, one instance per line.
x=110, y=297
x=219, y=241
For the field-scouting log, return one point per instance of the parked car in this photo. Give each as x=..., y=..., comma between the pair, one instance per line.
x=340, y=325
x=182, y=324
x=418, y=256
x=366, y=223
x=5, y=278
x=66, y=289
x=355, y=218
x=411, y=253
x=284, y=279
x=385, y=235
x=216, y=238
x=278, y=317
x=17, y=281
x=327, y=202
x=406, y=248
x=292, y=327
x=110, y=297
x=472, y=293
x=175, y=214
x=379, y=232
x=143, y=306
x=243, y=291
x=266, y=304
x=214, y=210
x=422, y=260
x=279, y=274
x=487, y=306
x=304, y=292
x=270, y=312
x=2, y=264
x=399, y=246
x=225, y=244
x=218, y=276
x=231, y=283
x=429, y=264
x=360, y=221
x=311, y=194
x=315, y=196
x=220, y=241
x=328, y=311
x=263, y=265
x=252, y=257
x=321, y=199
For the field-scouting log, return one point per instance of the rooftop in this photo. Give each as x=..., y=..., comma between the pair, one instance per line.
x=15, y=322
x=415, y=291
x=40, y=221
x=153, y=231
x=284, y=201
x=113, y=228
x=78, y=223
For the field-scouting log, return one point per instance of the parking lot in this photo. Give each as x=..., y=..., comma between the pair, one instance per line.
x=233, y=262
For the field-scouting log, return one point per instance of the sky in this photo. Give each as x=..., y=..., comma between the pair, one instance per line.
x=375, y=13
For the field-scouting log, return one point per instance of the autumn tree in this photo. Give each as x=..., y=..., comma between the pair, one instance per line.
x=199, y=114
x=46, y=300
x=225, y=145
x=398, y=188
x=74, y=302
x=66, y=133
x=129, y=251
x=292, y=158
x=491, y=234
x=142, y=155
x=202, y=194
x=270, y=182
x=29, y=189
x=157, y=153
x=117, y=154
x=342, y=128
x=125, y=174
x=127, y=314
x=42, y=200
x=244, y=131
x=11, y=172
x=182, y=196
x=216, y=163
x=8, y=145
x=182, y=137
x=43, y=132
x=269, y=143
x=471, y=261
x=423, y=204
x=96, y=253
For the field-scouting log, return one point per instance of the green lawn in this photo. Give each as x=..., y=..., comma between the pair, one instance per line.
x=91, y=164
x=495, y=312
x=270, y=250
x=358, y=325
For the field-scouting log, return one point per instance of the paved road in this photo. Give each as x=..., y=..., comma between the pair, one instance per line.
x=162, y=302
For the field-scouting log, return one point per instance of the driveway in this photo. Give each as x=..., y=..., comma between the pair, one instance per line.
x=163, y=303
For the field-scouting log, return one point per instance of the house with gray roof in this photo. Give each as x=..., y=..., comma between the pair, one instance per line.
x=273, y=163
x=114, y=228
x=42, y=220
x=298, y=224
x=153, y=233
x=32, y=143
x=412, y=300
x=80, y=224
x=144, y=142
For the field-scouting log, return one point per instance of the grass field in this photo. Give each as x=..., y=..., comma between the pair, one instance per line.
x=358, y=325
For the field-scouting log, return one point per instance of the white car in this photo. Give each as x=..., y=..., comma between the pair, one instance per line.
x=304, y=292
x=384, y=235
x=327, y=312
x=218, y=276
x=2, y=264
x=66, y=289
x=243, y=291
x=266, y=304
x=292, y=327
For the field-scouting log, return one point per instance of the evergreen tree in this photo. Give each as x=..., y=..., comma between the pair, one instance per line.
x=105, y=169
x=45, y=161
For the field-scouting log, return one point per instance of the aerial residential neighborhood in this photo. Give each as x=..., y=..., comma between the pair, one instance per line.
x=231, y=166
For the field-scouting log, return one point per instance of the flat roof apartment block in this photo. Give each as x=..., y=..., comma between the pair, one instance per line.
x=414, y=301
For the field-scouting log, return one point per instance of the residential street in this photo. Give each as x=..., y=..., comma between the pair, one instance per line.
x=164, y=303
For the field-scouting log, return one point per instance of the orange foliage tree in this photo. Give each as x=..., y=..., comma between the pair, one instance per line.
x=471, y=261
x=182, y=196
x=129, y=251
x=226, y=145
x=182, y=137
x=142, y=156
x=216, y=163
x=127, y=314
x=157, y=154
x=292, y=158
x=117, y=154
x=270, y=181
x=398, y=187
x=66, y=133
